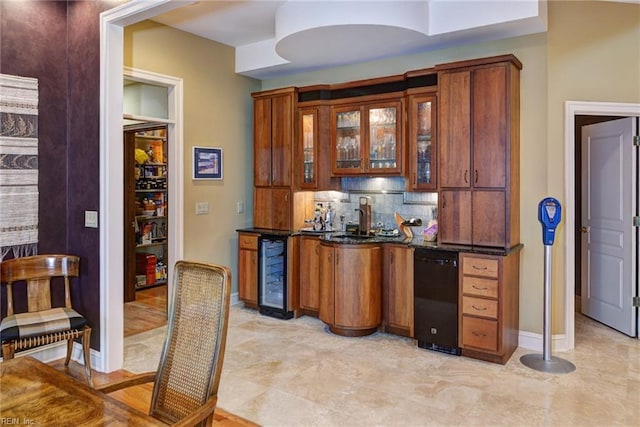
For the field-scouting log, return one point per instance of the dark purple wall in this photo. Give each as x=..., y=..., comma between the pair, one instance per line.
x=58, y=42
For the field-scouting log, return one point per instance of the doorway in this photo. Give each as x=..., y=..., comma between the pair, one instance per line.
x=608, y=242
x=112, y=23
x=572, y=110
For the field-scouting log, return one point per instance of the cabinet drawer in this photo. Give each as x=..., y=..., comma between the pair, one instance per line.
x=480, y=287
x=479, y=333
x=485, y=267
x=480, y=307
x=248, y=241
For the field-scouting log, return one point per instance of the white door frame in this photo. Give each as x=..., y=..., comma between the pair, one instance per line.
x=572, y=109
x=112, y=23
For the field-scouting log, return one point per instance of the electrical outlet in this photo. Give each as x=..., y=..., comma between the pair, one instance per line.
x=240, y=207
x=202, y=208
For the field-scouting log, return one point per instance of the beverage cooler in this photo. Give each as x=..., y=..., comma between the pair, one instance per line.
x=272, y=280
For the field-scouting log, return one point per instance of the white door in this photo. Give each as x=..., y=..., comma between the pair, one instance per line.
x=609, y=239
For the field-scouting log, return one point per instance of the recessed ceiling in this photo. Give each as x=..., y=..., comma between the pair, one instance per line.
x=276, y=38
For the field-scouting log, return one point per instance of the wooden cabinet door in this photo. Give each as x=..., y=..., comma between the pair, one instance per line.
x=310, y=273
x=282, y=140
x=347, y=140
x=454, y=161
x=281, y=208
x=248, y=268
x=455, y=217
x=383, y=147
x=272, y=208
x=262, y=142
x=421, y=146
x=327, y=289
x=490, y=130
x=489, y=218
x=307, y=161
x=262, y=211
x=398, y=289
x=358, y=286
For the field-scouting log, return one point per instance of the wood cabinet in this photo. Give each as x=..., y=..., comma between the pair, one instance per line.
x=146, y=232
x=314, y=159
x=421, y=141
x=272, y=208
x=397, y=289
x=273, y=130
x=310, y=274
x=367, y=138
x=351, y=288
x=248, y=269
x=489, y=306
x=478, y=161
x=273, y=138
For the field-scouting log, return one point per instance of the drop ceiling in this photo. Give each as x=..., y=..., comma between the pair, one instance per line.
x=277, y=38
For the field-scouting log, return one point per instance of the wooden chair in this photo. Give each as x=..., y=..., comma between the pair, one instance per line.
x=42, y=324
x=185, y=390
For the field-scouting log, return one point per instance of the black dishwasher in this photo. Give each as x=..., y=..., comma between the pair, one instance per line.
x=435, y=289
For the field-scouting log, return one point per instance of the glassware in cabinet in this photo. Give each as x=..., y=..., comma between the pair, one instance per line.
x=422, y=142
x=308, y=120
x=347, y=144
x=383, y=138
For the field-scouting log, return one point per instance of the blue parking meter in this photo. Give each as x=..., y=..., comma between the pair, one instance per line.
x=549, y=215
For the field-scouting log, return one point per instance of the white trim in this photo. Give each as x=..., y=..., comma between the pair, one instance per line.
x=572, y=109
x=532, y=341
x=147, y=119
x=112, y=24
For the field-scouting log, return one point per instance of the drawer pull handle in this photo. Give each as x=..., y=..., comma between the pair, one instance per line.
x=479, y=288
x=478, y=334
x=478, y=308
x=478, y=268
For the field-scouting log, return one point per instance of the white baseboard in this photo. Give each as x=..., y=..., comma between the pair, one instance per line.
x=535, y=342
x=234, y=299
x=57, y=351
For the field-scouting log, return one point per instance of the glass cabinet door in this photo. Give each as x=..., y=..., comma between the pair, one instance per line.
x=383, y=138
x=422, y=154
x=308, y=141
x=347, y=140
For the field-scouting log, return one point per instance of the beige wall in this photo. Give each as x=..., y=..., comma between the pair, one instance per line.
x=218, y=113
x=591, y=52
x=593, y=55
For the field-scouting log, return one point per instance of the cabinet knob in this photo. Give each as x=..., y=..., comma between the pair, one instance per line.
x=585, y=229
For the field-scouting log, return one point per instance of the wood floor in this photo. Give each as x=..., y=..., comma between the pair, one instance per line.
x=138, y=397
x=148, y=311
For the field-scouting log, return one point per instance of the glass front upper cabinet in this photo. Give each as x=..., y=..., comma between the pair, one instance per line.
x=308, y=120
x=383, y=139
x=347, y=140
x=367, y=139
x=422, y=142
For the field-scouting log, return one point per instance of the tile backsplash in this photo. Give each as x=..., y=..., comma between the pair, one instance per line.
x=387, y=196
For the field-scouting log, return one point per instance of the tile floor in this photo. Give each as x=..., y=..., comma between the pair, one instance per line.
x=295, y=373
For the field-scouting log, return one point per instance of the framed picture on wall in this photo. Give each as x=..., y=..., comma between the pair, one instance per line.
x=207, y=163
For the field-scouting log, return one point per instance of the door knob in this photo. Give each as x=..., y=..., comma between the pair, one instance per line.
x=585, y=229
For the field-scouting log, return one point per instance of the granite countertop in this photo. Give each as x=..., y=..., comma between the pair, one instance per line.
x=418, y=242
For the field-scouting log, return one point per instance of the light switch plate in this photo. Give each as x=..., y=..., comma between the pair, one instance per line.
x=202, y=208
x=240, y=207
x=91, y=219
